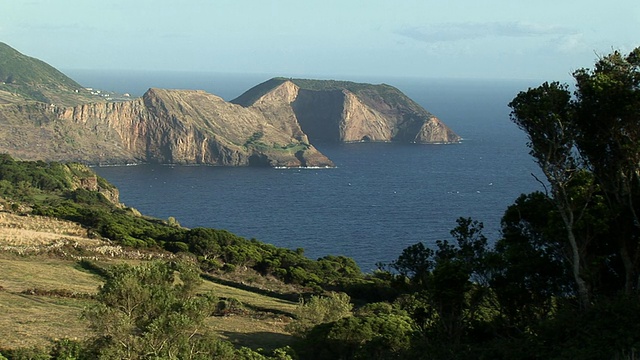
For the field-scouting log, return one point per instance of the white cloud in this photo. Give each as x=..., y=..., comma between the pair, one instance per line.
x=571, y=44
x=445, y=32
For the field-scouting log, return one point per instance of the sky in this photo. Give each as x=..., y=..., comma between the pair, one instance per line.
x=470, y=39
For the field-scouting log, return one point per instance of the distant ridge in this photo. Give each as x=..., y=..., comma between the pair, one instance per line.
x=250, y=96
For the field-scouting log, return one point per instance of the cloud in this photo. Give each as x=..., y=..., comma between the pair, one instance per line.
x=570, y=44
x=469, y=31
x=51, y=27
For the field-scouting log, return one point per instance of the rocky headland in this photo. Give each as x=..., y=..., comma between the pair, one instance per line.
x=273, y=124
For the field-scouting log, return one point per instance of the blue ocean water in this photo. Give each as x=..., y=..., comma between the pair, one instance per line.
x=380, y=199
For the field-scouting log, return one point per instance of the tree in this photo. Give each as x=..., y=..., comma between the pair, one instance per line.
x=588, y=147
x=319, y=310
x=545, y=114
x=447, y=286
x=415, y=262
x=608, y=116
x=529, y=271
x=152, y=311
x=366, y=336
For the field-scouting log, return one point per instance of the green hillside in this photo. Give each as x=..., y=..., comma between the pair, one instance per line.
x=23, y=78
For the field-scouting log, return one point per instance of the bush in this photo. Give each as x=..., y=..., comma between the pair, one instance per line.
x=384, y=336
x=319, y=310
x=67, y=349
x=31, y=353
x=144, y=311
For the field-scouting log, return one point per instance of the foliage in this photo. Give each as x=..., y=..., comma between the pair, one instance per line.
x=561, y=282
x=52, y=190
x=151, y=310
x=445, y=291
x=608, y=330
x=372, y=336
x=319, y=310
x=254, y=138
x=528, y=263
x=587, y=147
x=39, y=176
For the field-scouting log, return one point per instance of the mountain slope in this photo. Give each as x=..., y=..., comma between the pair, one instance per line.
x=23, y=78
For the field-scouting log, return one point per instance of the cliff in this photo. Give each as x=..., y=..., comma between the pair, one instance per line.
x=44, y=115
x=342, y=111
x=274, y=126
x=163, y=126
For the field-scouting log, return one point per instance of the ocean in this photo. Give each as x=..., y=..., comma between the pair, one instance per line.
x=379, y=199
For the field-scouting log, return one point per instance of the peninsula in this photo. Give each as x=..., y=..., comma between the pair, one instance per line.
x=44, y=115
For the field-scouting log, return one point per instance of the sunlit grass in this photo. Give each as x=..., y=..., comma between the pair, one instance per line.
x=257, y=301
x=30, y=320
x=27, y=320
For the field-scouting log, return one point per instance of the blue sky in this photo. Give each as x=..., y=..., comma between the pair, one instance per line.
x=492, y=39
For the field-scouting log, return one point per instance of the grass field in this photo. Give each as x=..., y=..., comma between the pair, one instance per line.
x=28, y=267
x=28, y=320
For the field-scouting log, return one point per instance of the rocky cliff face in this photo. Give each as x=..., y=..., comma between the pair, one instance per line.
x=44, y=115
x=271, y=125
x=164, y=126
x=340, y=111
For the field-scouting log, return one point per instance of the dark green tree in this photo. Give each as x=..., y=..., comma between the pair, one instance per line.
x=365, y=336
x=152, y=311
x=447, y=287
x=319, y=310
x=546, y=115
x=588, y=147
x=529, y=270
x=608, y=117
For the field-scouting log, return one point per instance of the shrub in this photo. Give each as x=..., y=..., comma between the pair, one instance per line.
x=319, y=310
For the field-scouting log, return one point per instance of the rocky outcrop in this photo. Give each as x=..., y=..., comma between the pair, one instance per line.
x=341, y=111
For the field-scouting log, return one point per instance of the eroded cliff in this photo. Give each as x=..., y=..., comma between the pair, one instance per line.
x=342, y=111
x=271, y=125
x=44, y=115
x=164, y=126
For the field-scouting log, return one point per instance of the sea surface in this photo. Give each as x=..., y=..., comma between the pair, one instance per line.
x=380, y=199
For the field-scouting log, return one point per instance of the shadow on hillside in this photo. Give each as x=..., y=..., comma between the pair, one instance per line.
x=261, y=339
x=287, y=297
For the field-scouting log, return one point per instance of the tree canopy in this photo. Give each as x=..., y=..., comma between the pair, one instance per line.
x=588, y=147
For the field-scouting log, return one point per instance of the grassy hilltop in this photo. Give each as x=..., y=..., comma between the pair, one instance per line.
x=23, y=78
x=369, y=92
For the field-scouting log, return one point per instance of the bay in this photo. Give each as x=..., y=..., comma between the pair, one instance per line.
x=381, y=198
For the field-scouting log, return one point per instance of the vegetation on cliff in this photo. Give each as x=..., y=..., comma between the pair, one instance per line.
x=388, y=92
x=55, y=190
